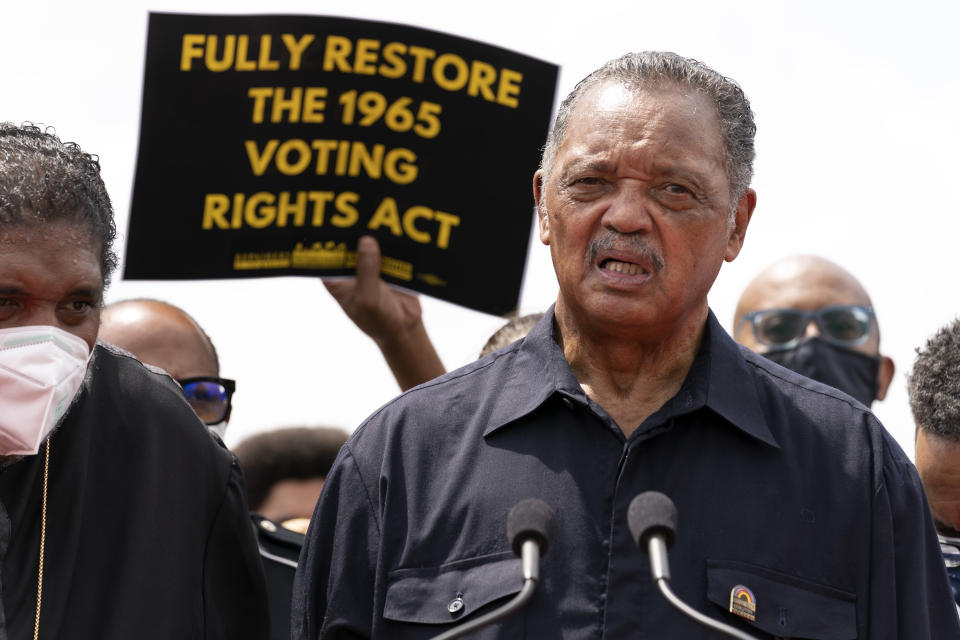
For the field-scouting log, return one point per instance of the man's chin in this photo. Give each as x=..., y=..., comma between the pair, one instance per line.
x=615, y=313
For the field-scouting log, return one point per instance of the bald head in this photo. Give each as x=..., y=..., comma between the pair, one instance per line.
x=161, y=335
x=807, y=283
x=810, y=283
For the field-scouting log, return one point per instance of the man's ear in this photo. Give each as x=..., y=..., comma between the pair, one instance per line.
x=884, y=376
x=741, y=219
x=542, y=220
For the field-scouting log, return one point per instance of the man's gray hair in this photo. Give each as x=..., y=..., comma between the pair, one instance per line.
x=934, y=384
x=44, y=180
x=656, y=69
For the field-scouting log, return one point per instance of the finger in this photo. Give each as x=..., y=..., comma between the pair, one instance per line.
x=368, y=269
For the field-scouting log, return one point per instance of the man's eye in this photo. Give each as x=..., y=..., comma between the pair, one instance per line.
x=77, y=309
x=677, y=189
x=8, y=306
x=587, y=181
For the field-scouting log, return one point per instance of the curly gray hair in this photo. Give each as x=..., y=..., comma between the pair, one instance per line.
x=45, y=180
x=934, y=384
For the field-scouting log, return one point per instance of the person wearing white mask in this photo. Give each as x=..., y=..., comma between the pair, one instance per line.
x=119, y=517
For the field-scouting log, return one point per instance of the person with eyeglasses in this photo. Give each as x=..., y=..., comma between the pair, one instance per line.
x=934, y=390
x=811, y=316
x=165, y=336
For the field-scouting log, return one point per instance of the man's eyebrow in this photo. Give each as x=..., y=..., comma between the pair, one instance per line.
x=79, y=292
x=93, y=293
x=660, y=167
x=9, y=290
x=85, y=291
x=599, y=166
x=677, y=169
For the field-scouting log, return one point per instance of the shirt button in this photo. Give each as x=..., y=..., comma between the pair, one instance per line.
x=455, y=605
x=269, y=526
x=567, y=401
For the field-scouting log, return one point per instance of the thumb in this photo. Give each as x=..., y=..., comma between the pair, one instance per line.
x=368, y=268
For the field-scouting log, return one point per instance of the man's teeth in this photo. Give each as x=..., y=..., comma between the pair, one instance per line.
x=623, y=267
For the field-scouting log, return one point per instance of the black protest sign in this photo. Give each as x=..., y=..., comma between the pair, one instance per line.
x=270, y=144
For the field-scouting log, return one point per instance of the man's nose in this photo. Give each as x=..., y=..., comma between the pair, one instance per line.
x=812, y=329
x=629, y=211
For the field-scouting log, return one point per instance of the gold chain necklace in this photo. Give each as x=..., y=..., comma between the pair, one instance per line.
x=43, y=537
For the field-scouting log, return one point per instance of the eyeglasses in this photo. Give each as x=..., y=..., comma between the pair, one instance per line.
x=845, y=325
x=209, y=396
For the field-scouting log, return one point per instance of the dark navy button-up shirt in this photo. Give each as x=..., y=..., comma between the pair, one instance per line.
x=790, y=494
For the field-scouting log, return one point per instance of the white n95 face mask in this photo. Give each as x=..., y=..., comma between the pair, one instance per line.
x=41, y=370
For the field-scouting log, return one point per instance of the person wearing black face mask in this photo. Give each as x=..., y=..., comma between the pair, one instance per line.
x=813, y=317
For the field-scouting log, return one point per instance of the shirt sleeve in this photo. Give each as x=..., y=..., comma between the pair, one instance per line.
x=910, y=595
x=234, y=589
x=333, y=593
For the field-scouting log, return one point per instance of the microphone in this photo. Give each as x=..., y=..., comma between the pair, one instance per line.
x=530, y=526
x=652, y=519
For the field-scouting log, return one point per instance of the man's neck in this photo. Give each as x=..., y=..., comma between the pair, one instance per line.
x=631, y=376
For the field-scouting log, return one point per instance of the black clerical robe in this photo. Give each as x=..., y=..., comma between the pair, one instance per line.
x=147, y=531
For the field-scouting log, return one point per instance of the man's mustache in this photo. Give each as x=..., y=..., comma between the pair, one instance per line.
x=630, y=242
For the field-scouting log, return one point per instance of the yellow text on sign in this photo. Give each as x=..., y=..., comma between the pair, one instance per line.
x=303, y=104
x=449, y=71
x=307, y=104
x=388, y=215
x=397, y=115
x=236, y=53
x=337, y=157
x=262, y=209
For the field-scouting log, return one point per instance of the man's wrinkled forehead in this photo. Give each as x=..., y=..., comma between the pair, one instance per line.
x=66, y=235
x=650, y=104
x=67, y=229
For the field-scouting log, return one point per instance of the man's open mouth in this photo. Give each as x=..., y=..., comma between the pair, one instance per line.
x=627, y=268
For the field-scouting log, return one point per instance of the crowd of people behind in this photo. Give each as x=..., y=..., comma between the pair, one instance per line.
x=120, y=516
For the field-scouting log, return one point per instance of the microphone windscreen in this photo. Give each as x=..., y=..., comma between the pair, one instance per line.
x=652, y=512
x=531, y=518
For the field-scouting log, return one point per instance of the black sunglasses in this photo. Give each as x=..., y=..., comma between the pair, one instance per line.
x=845, y=325
x=209, y=396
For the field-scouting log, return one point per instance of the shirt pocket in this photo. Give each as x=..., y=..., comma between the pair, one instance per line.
x=451, y=592
x=784, y=605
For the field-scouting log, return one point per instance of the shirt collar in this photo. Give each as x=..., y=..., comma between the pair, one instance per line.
x=732, y=390
x=538, y=370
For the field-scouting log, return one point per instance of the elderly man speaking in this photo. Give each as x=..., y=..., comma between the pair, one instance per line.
x=799, y=516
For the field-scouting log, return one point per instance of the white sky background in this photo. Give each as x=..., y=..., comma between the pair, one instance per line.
x=856, y=105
